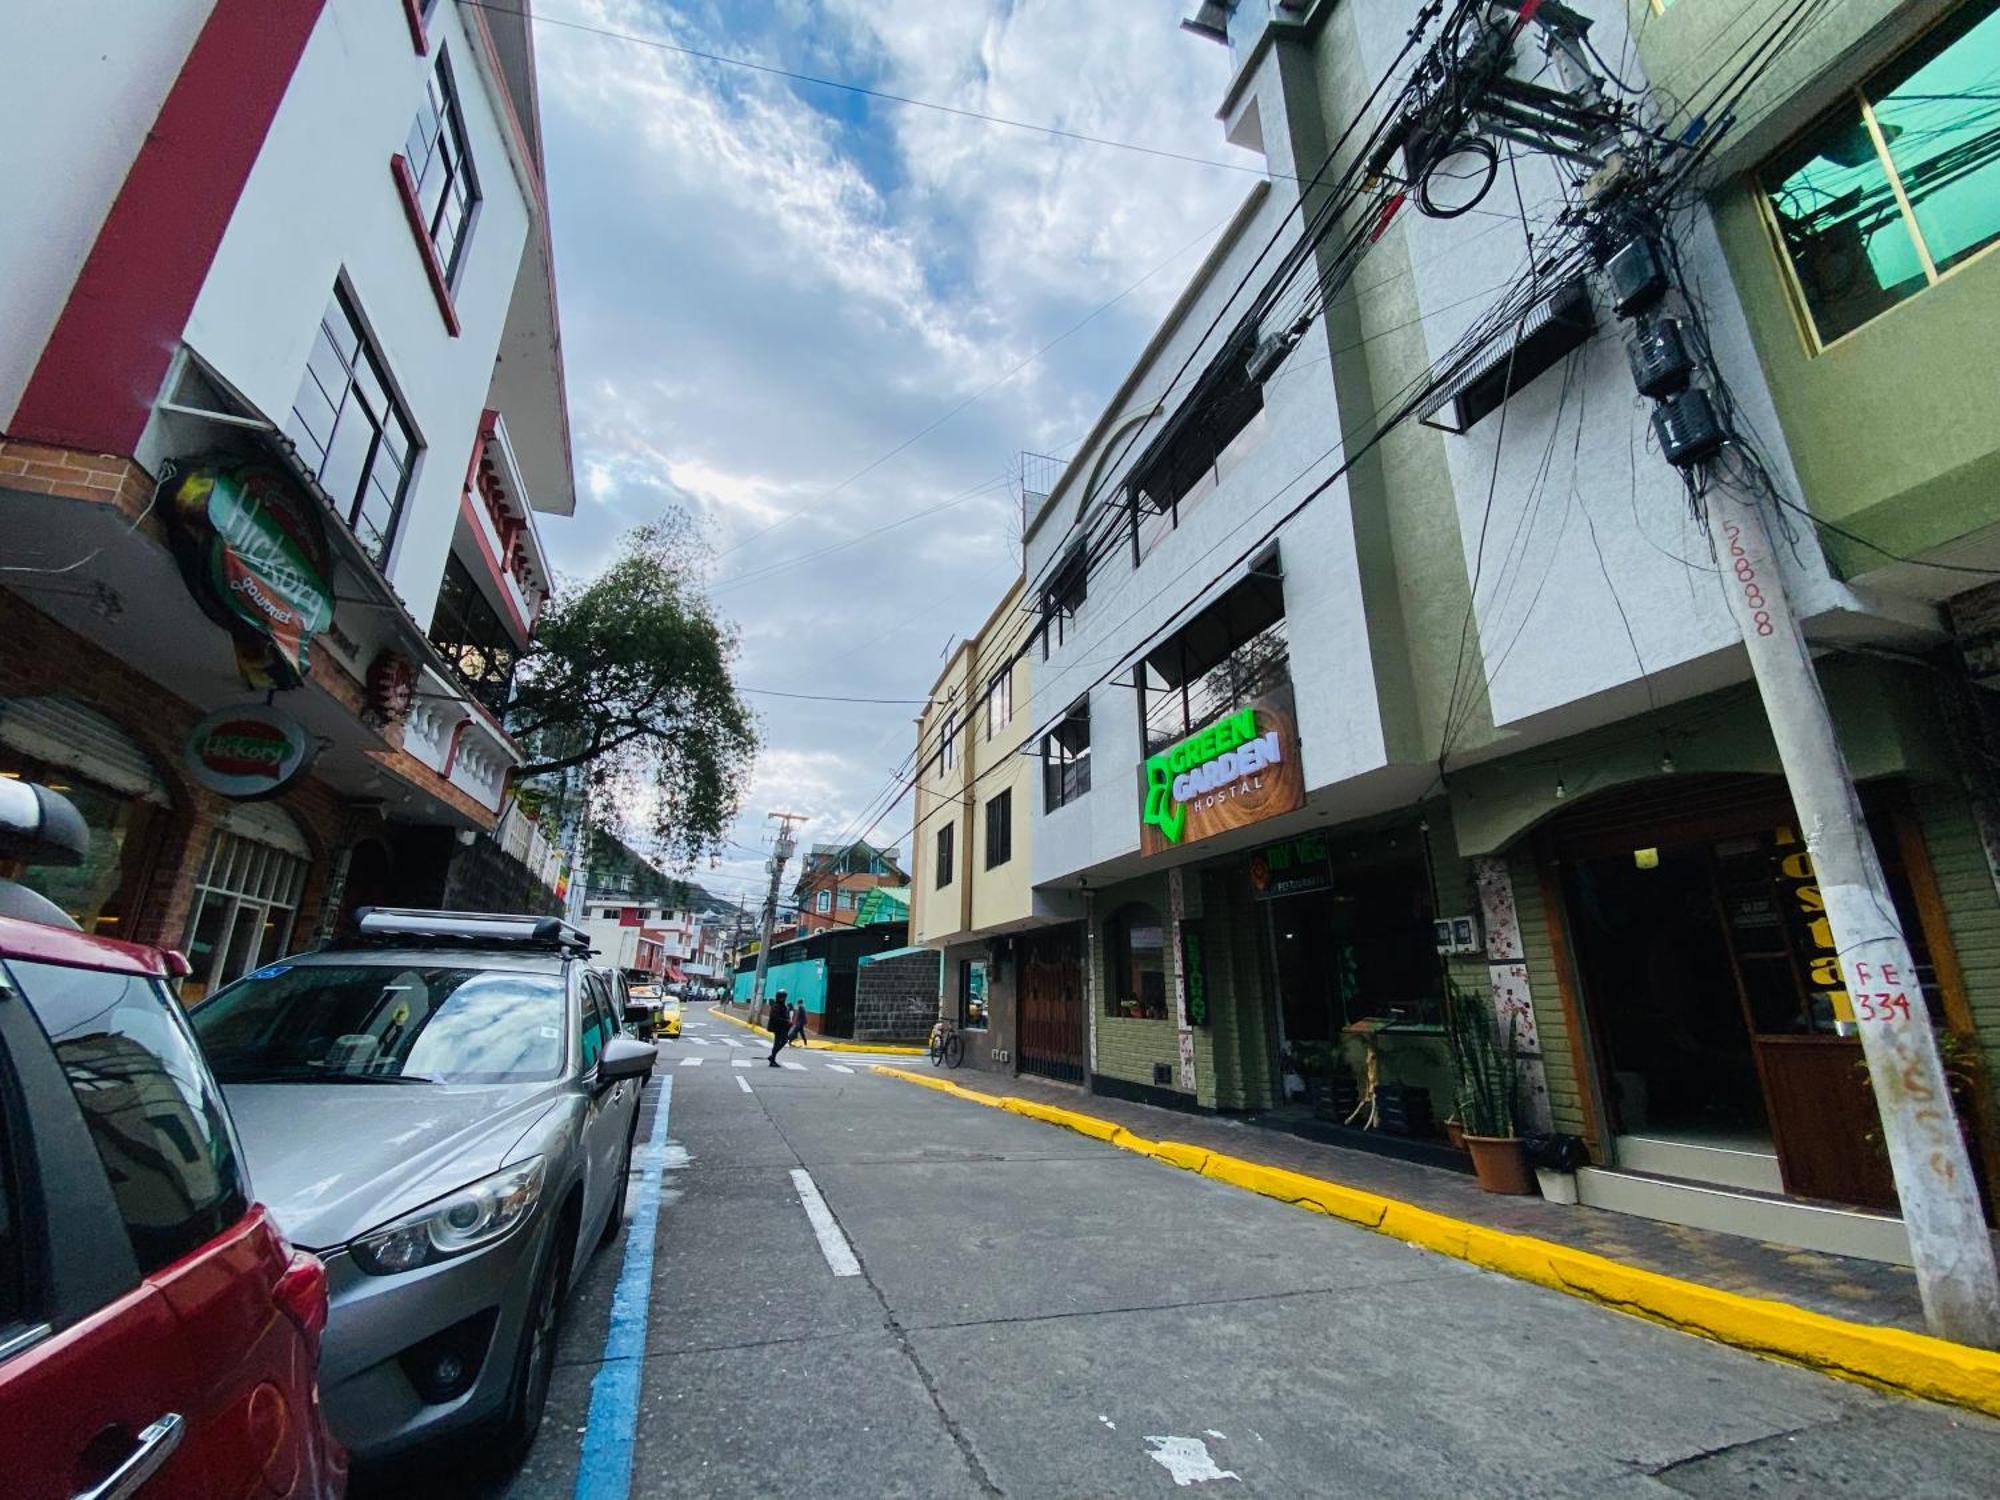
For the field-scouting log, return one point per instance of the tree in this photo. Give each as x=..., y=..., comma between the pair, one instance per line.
x=628, y=681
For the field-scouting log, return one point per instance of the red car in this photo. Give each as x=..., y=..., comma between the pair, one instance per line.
x=158, y=1336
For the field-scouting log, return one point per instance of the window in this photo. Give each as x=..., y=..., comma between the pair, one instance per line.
x=948, y=738
x=973, y=980
x=823, y=902
x=1898, y=183
x=1000, y=829
x=1198, y=448
x=352, y=433
x=1138, y=953
x=469, y=633
x=1068, y=587
x=245, y=900
x=154, y=1112
x=848, y=900
x=944, y=860
x=999, y=700
x=441, y=169
x=1066, y=757
x=1229, y=655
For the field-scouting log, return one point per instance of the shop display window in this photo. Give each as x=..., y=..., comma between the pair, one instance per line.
x=245, y=903
x=973, y=980
x=101, y=894
x=1138, y=977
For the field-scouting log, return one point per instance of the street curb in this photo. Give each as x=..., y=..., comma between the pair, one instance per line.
x=1890, y=1359
x=833, y=1042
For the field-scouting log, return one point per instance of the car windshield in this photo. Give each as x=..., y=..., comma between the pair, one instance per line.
x=384, y=1023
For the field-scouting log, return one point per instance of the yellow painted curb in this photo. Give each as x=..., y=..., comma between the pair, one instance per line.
x=832, y=1043
x=1890, y=1359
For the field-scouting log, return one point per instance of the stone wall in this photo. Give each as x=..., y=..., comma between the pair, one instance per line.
x=896, y=997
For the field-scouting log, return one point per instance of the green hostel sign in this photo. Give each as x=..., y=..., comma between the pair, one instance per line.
x=1240, y=769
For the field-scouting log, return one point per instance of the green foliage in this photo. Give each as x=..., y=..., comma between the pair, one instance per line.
x=1487, y=1069
x=628, y=681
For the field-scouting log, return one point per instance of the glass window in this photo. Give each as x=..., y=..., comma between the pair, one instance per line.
x=948, y=737
x=470, y=634
x=1066, y=757
x=999, y=701
x=381, y=1023
x=1897, y=183
x=1000, y=829
x=848, y=900
x=1198, y=447
x=823, y=901
x=1068, y=587
x=1138, y=952
x=944, y=857
x=244, y=906
x=441, y=166
x=350, y=431
x=153, y=1111
x=972, y=993
x=100, y=894
x=1231, y=654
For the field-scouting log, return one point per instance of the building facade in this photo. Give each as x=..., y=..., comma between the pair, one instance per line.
x=281, y=410
x=1404, y=661
x=834, y=879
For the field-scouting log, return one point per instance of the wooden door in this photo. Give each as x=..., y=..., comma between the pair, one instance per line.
x=1049, y=1016
x=1823, y=1121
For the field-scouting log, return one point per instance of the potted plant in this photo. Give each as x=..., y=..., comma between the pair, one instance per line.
x=1489, y=1093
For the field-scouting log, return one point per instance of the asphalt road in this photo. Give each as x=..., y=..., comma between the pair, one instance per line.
x=1034, y=1314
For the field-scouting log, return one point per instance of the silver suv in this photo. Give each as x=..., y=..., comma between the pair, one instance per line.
x=443, y=1110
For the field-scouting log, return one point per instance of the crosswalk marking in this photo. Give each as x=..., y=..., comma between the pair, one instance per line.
x=740, y=1062
x=840, y=1067
x=693, y=1062
x=786, y=1062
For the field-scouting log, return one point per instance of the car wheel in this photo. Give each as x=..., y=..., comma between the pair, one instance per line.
x=616, y=1221
x=535, y=1354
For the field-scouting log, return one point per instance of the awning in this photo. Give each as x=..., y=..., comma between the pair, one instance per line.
x=676, y=974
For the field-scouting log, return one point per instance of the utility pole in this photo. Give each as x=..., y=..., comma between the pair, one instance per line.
x=781, y=853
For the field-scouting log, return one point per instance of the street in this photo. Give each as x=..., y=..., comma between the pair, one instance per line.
x=1039, y=1314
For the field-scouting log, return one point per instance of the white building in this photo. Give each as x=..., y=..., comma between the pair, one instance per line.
x=282, y=400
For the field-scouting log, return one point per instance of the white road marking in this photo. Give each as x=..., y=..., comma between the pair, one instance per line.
x=741, y=1062
x=693, y=1062
x=832, y=1243
x=840, y=1067
x=786, y=1062
x=742, y=1082
x=1187, y=1460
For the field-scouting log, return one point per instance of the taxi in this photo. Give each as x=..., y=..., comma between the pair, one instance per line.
x=669, y=1017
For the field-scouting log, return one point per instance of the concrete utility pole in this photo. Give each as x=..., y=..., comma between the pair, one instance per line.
x=1949, y=1245
x=781, y=853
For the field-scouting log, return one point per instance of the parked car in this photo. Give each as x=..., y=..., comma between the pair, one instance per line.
x=443, y=1110
x=157, y=1333
x=670, y=1018
x=642, y=1001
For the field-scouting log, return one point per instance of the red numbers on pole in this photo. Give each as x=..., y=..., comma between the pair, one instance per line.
x=1746, y=574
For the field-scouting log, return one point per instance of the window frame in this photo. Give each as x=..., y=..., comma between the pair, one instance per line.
x=274, y=890
x=1063, y=599
x=1066, y=771
x=948, y=738
x=1189, y=722
x=999, y=701
x=1000, y=820
x=353, y=395
x=1857, y=97
x=946, y=855
x=443, y=102
x=495, y=689
x=1224, y=387
x=822, y=901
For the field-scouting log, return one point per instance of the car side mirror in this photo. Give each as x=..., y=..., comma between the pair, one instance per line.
x=626, y=1057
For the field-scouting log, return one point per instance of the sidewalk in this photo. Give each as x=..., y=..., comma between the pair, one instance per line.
x=1856, y=1291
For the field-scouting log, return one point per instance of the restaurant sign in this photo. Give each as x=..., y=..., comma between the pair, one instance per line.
x=248, y=751
x=1239, y=770
x=1292, y=868
x=253, y=553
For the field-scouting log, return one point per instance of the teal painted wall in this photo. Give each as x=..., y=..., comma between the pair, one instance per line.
x=803, y=981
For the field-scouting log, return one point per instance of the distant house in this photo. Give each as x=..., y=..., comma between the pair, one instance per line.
x=835, y=878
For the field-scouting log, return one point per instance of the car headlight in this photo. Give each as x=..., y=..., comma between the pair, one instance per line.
x=473, y=1216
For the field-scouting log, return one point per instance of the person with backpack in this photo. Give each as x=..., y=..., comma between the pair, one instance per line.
x=780, y=1021
x=799, y=1024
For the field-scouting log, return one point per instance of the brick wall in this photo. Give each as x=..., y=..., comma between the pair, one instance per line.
x=896, y=997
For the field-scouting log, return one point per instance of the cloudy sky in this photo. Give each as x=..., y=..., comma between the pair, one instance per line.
x=768, y=287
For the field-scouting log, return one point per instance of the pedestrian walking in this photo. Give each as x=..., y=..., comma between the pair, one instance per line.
x=799, y=1025
x=781, y=1026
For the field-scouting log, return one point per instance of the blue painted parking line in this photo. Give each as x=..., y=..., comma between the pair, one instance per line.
x=605, y=1471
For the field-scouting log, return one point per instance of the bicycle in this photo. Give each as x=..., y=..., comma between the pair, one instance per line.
x=947, y=1047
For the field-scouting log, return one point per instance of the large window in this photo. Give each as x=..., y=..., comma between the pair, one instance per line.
x=1138, y=977
x=1066, y=757
x=948, y=737
x=1899, y=182
x=441, y=167
x=245, y=900
x=823, y=901
x=1229, y=655
x=1000, y=829
x=351, y=432
x=1217, y=423
x=469, y=633
x=944, y=856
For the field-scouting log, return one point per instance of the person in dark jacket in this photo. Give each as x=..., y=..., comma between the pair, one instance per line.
x=799, y=1024
x=780, y=1022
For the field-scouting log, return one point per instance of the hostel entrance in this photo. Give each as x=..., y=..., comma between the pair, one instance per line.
x=1726, y=1042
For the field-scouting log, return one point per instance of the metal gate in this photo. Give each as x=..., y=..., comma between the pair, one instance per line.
x=1049, y=1011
